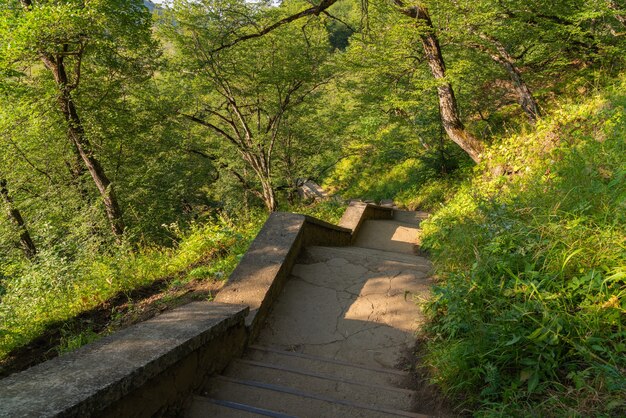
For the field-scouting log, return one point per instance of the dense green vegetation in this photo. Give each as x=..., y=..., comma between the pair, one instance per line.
x=137, y=146
x=531, y=304
x=57, y=289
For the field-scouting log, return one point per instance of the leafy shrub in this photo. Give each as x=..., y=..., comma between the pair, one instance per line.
x=528, y=316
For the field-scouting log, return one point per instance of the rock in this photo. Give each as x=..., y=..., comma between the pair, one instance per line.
x=311, y=190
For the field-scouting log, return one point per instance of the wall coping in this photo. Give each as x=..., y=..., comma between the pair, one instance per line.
x=99, y=374
x=264, y=269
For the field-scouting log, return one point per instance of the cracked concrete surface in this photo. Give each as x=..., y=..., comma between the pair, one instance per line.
x=357, y=303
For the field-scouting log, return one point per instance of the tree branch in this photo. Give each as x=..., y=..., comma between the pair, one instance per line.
x=325, y=12
x=211, y=126
x=312, y=11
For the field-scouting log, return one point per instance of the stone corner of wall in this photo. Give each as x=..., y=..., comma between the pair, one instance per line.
x=358, y=212
x=113, y=372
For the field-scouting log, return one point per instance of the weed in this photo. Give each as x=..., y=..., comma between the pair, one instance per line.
x=70, y=341
x=529, y=315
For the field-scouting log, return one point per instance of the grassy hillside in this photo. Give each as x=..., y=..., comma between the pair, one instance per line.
x=528, y=314
x=56, y=289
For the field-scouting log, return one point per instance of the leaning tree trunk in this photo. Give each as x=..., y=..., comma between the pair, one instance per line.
x=522, y=91
x=77, y=169
x=76, y=134
x=26, y=242
x=448, y=106
x=76, y=131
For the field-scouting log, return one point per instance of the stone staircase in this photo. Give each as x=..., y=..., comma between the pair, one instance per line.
x=339, y=337
x=306, y=386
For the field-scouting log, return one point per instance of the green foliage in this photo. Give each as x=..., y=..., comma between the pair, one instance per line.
x=241, y=102
x=328, y=210
x=528, y=315
x=58, y=288
x=71, y=341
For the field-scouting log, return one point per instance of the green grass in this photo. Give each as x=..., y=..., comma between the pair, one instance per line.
x=412, y=182
x=327, y=210
x=55, y=289
x=528, y=315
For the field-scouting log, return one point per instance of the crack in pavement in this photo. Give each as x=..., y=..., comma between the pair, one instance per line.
x=365, y=312
x=345, y=290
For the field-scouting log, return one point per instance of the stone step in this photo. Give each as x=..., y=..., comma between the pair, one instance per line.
x=389, y=235
x=339, y=388
x=328, y=367
x=409, y=217
x=294, y=402
x=362, y=255
x=202, y=406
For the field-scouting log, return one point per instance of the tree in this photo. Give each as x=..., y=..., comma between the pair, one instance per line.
x=448, y=105
x=499, y=54
x=243, y=94
x=532, y=43
x=67, y=36
x=14, y=214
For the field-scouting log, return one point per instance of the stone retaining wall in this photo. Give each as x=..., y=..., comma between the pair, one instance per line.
x=148, y=369
x=262, y=272
x=151, y=368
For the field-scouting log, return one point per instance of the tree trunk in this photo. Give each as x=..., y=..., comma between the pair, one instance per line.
x=259, y=165
x=76, y=134
x=447, y=101
x=26, y=243
x=77, y=169
x=269, y=196
x=522, y=91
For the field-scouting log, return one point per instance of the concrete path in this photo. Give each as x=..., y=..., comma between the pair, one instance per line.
x=339, y=334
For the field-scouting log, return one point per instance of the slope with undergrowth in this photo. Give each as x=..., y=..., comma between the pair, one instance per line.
x=528, y=316
x=52, y=293
x=60, y=304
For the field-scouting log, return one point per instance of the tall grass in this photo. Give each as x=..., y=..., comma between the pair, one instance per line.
x=528, y=315
x=57, y=288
